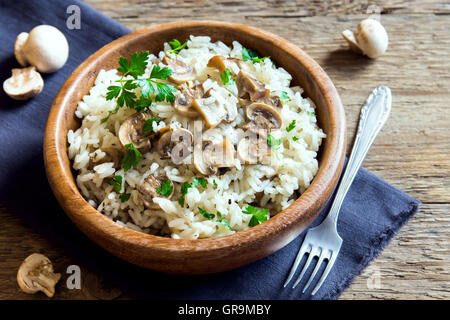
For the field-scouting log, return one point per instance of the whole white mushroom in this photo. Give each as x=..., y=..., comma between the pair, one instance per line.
x=45, y=47
x=370, y=38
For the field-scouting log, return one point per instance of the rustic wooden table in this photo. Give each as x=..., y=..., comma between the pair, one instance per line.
x=412, y=152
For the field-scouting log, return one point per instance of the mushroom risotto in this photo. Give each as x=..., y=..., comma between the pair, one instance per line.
x=203, y=140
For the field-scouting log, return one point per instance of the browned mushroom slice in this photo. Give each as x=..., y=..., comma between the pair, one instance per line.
x=149, y=190
x=175, y=145
x=222, y=63
x=184, y=98
x=249, y=86
x=262, y=116
x=209, y=156
x=201, y=162
x=181, y=71
x=112, y=154
x=273, y=101
x=131, y=132
x=36, y=274
x=253, y=148
x=212, y=113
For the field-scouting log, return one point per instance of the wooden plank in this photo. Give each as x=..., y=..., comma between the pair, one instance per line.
x=412, y=152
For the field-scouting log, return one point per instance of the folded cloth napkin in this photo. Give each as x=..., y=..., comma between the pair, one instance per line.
x=371, y=215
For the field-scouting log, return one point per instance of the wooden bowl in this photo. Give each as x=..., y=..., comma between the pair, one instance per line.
x=202, y=255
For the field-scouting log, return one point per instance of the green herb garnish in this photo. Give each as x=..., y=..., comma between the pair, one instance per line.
x=258, y=215
x=225, y=223
x=294, y=138
x=125, y=197
x=284, y=95
x=226, y=77
x=176, y=46
x=252, y=56
x=206, y=214
x=291, y=126
x=199, y=182
x=214, y=183
x=131, y=158
x=116, y=182
x=165, y=189
x=148, y=124
x=309, y=113
x=274, y=143
x=185, y=186
x=124, y=92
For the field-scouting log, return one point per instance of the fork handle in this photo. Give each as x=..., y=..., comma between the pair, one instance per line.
x=373, y=116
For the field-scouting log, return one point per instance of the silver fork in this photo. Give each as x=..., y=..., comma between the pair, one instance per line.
x=324, y=241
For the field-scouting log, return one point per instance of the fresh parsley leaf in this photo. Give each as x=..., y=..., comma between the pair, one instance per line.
x=294, y=138
x=206, y=214
x=258, y=216
x=165, y=92
x=252, y=56
x=199, y=182
x=125, y=197
x=273, y=142
x=226, y=77
x=135, y=66
x=116, y=182
x=284, y=95
x=184, y=188
x=214, y=183
x=309, y=113
x=291, y=126
x=225, y=223
x=148, y=124
x=158, y=73
x=181, y=201
x=113, y=92
x=131, y=158
x=219, y=214
x=165, y=189
x=176, y=46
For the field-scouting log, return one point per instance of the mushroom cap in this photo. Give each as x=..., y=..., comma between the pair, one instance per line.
x=183, y=103
x=209, y=156
x=372, y=38
x=168, y=142
x=349, y=36
x=24, y=84
x=112, y=154
x=212, y=113
x=148, y=190
x=46, y=48
x=36, y=274
x=202, y=163
x=181, y=71
x=130, y=131
x=262, y=116
x=247, y=85
x=18, y=49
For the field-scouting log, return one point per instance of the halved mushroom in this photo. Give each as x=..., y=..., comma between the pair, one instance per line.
x=262, y=116
x=209, y=156
x=148, y=190
x=181, y=71
x=184, y=98
x=175, y=145
x=131, y=131
x=211, y=112
x=36, y=274
x=111, y=155
x=24, y=84
x=252, y=148
x=249, y=86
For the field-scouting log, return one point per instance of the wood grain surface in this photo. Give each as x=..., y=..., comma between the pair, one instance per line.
x=412, y=152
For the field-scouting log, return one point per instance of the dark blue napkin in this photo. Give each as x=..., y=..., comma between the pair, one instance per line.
x=372, y=213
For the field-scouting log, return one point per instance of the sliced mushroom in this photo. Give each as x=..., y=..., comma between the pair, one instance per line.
x=222, y=63
x=209, y=156
x=130, y=131
x=184, y=98
x=212, y=113
x=36, y=274
x=111, y=155
x=175, y=145
x=148, y=190
x=181, y=71
x=24, y=84
x=262, y=116
x=249, y=86
x=273, y=101
x=253, y=148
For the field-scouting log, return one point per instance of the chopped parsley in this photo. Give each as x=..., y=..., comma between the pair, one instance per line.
x=206, y=214
x=214, y=183
x=125, y=197
x=165, y=189
x=294, y=138
x=185, y=187
x=116, y=182
x=258, y=215
x=124, y=92
x=176, y=46
x=291, y=126
x=131, y=158
x=148, y=124
x=225, y=223
x=285, y=96
x=309, y=113
x=274, y=143
x=226, y=77
x=252, y=56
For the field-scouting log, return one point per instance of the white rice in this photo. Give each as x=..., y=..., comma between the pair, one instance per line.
x=289, y=173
